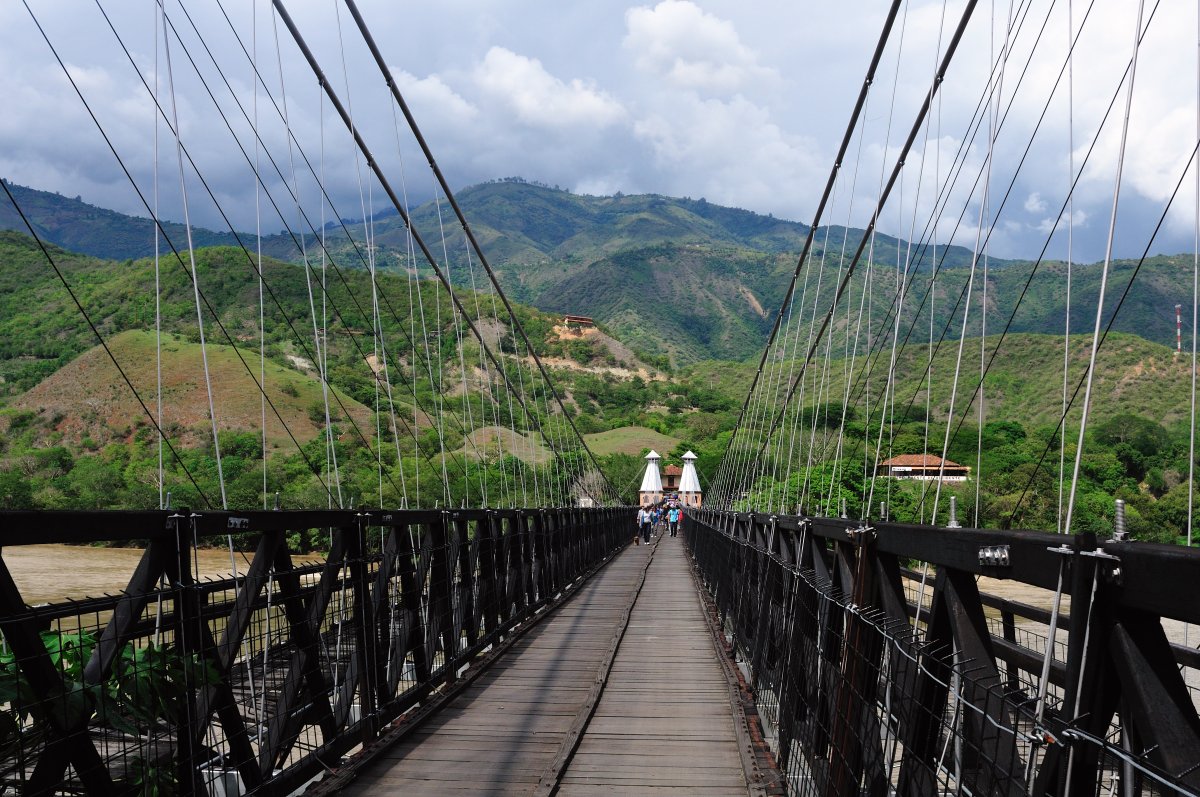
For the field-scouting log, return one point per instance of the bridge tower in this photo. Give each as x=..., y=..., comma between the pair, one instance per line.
x=651, y=491
x=689, y=483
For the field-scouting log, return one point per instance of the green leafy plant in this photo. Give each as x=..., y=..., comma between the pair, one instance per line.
x=145, y=694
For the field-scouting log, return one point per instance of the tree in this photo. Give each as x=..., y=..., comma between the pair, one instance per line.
x=624, y=473
x=1142, y=434
x=15, y=492
x=1171, y=511
x=95, y=483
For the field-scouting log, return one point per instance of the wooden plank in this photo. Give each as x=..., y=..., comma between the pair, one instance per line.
x=434, y=753
x=663, y=724
x=501, y=732
x=665, y=721
x=651, y=775
x=623, y=745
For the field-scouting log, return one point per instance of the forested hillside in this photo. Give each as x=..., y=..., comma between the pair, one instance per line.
x=683, y=279
x=684, y=293
x=76, y=435
x=73, y=224
x=1136, y=449
x=642, y=264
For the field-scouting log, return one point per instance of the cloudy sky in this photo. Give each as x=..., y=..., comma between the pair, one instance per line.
x=741, y=103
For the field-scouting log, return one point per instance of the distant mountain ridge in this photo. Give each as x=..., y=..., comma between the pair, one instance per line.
x=518, y=220
x=91, y=230
x=684, y=277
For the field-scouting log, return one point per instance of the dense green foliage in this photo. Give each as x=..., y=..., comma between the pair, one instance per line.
x=47, y=462
x=1016, y=475
x=145, y=695
x=673, y=281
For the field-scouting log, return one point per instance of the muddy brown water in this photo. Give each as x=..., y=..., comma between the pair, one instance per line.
x=50, y=573
x=1178, y=632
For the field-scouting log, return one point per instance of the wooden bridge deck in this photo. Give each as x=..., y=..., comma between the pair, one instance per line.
x=598, y=699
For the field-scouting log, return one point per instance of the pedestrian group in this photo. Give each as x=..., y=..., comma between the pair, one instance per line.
x=653, y=519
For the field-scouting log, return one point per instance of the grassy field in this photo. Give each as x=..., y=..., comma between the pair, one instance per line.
x=93, y=401
x=629, y=440
x=495, y=441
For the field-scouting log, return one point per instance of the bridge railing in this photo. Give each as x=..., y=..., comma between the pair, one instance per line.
x=880, y=666
x=260, y=681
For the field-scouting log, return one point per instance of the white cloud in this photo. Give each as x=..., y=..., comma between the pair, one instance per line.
x=690, y=48
x=741, y=103
x=540, y=99
x=430, y=97
x=1077, y=220
x=732, y=153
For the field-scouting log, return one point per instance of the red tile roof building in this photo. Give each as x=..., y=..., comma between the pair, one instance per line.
x=923, y=466
x=670, y=478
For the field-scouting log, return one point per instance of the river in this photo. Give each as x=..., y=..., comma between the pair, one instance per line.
x=49, y=573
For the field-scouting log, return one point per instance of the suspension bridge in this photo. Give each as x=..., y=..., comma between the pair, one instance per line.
x=478, y=620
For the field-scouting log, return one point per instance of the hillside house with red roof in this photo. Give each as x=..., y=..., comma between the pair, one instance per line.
x=925, y=467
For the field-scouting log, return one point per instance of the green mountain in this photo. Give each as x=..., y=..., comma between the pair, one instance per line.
x=75, y=225
x=684, y=278
x=1140, y=299
x=74, y=436
x=59, y=391
x=522, y=222
x=1136, y=448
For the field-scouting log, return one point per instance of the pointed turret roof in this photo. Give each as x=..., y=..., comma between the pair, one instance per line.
x=689, y=482
x=652, y=482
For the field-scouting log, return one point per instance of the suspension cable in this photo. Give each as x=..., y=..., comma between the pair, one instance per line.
x=426, y=252
x=1112, y=226
x=158, y=399
x=1195, y=312
x=1040, y=260
x=100, y=339
x=900, y=160
x=320, y=330
x=441, y=179
x=1062, y=447
x=270, y=291
x=187, y=223
x=851, y=126
x=163, y=232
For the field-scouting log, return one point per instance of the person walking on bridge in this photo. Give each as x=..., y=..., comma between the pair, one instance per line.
x=644, y=520
x=673, y=520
